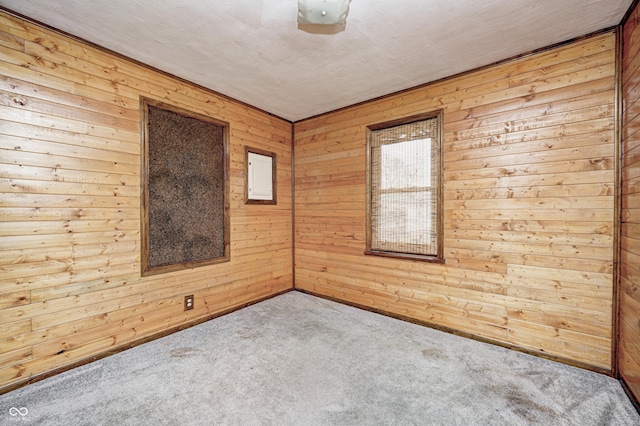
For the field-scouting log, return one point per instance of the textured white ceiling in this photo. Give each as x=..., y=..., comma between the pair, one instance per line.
x=254, y=50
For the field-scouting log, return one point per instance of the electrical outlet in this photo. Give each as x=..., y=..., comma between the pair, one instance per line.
x=188, y=302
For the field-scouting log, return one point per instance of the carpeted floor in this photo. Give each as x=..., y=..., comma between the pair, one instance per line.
x=300, y=360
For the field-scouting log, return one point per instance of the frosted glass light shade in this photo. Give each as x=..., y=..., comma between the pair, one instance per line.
x=323, y=12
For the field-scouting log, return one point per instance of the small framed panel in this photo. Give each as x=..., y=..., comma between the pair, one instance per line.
x=260, y=176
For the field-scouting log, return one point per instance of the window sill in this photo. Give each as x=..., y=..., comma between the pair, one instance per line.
x=406, y=256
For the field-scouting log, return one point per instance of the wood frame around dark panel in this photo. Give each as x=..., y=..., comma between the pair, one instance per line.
x=146, y=268
x=439, y=258
x=274, y=170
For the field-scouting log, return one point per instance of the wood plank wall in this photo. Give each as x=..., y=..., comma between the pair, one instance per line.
x=629, y=320
x=529, y=205
x=70, y=280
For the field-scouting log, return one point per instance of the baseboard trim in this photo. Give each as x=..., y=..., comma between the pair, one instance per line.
x=76, y=364
x=450, y=330
x=54, y=372
x=630, y=394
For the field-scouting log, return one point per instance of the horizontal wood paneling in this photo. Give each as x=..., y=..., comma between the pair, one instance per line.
x=70, y=280
x=529, y=187
x=629, y=321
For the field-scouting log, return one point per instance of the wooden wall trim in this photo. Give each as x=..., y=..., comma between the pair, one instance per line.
x=617, y=228
x=114, y=351
x=134, y=61
x=628, y=354
x=632, y=397
x=464, y=73
x=627, y=15
x=293, y=206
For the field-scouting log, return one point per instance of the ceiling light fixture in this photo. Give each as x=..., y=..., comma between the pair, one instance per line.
x=323, y=12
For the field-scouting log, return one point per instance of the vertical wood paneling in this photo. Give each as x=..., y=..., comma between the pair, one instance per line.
x=529, y=205
x=629, y=343
x=70, y=281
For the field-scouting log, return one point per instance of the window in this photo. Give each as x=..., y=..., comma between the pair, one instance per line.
x=404, y=185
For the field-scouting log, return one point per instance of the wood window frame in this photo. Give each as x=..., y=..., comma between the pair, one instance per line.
x=439, y=256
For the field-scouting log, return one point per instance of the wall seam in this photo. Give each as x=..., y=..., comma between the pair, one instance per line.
x=617, y=209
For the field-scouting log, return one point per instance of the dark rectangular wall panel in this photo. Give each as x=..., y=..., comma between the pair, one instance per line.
x=186, y=168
